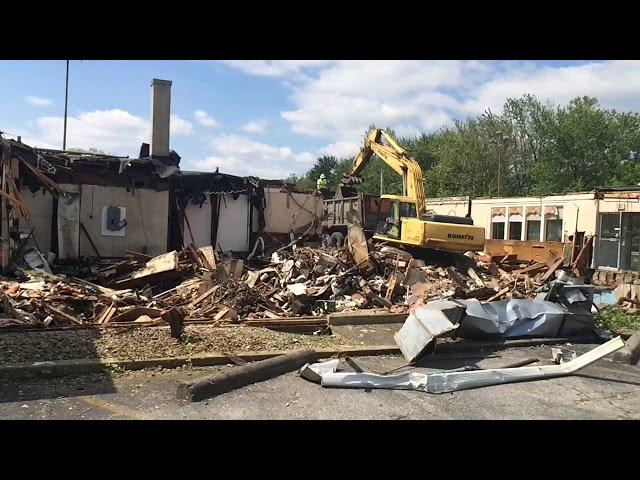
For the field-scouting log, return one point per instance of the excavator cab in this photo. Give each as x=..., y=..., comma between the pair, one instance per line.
x=392, y=210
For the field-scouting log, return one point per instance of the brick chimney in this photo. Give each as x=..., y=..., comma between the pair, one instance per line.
x=160, y=114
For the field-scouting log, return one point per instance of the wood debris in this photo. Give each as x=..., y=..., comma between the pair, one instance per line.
x=293, y=291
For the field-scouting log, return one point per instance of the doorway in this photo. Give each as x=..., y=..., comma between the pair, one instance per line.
x=619, y=241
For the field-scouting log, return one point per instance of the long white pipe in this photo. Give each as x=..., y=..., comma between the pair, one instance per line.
x=444, y=382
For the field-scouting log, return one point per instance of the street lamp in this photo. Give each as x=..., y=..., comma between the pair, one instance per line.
x=66, y=99
x=500, y=145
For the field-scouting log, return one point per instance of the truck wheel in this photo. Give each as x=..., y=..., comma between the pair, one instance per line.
x=337, y=238
x=326, y=240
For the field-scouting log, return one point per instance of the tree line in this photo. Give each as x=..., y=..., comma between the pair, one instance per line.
x=531, y=148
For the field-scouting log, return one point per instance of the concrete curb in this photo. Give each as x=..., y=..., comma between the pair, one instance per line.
x=61, y=368
x=630, y=353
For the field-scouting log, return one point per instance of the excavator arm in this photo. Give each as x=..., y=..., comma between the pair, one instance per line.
x=399, y=161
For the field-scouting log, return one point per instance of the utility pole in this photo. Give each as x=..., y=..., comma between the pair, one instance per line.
x=499, y=165
x=66, y=99
x=501, y=144
x=381, y=184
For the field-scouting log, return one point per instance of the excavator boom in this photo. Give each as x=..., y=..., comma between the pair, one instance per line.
x=399, y=161
x=409, y=223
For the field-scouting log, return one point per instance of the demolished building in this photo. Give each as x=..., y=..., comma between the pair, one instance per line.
x=77, y=204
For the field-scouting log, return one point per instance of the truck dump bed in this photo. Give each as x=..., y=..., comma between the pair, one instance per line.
x=367, y=206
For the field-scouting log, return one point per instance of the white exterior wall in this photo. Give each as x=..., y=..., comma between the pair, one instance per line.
x=580, y=206
x=286, y=212
x=147, y=215
x=200, y=221
x=233, y=223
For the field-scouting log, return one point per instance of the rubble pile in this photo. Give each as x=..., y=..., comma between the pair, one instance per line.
x=296, y=287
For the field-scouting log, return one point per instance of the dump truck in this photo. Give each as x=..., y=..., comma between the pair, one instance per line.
x=335, y=224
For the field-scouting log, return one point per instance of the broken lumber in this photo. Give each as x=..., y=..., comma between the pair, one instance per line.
x=366, y=317
x=60, y=313
x=531, y=268
x=552, y=270
x=245, y=375
x=474, y=276
x=499, y=294
x=138, y=256
x=205, y=295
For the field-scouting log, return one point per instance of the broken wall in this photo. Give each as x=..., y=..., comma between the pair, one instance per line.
x=614, y=202
x=40, y=206
x=456, y=206
x=146, y=212
x=289, y=211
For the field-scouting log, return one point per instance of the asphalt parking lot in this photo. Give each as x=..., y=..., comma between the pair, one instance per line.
x=604, y=390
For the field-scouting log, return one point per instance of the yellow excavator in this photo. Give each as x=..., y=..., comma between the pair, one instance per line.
x=407, y=222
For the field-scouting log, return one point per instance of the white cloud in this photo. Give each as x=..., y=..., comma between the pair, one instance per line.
x=256, y=126
x=338, y=100
x=180, y=126
x=38, y=101
x=341, y=149
x=275, y=68
x=203, y=118
x=115, y=131
x=239, y=155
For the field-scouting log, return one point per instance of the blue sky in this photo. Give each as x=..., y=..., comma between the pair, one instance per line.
x=272, y=118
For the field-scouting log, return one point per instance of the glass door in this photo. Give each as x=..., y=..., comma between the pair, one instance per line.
x=630, y=242
x=609, y=240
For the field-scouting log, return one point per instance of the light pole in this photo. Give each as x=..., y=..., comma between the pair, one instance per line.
x=66, y=99
x=500, y=145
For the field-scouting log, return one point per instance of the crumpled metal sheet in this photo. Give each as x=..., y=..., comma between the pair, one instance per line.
x=443, y=382
x=314, y=371
x=511, y=318
x=425, y=324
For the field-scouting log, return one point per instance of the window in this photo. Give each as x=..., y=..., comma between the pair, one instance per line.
x=497, y=230
x=515, y=230
x=553, y=230
x=408, y=209
x=533, y=230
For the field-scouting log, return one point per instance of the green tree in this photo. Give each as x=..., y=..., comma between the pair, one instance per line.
x=529, y=148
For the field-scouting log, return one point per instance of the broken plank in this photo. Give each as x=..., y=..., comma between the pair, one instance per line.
x=138, y=256
x=206, y=294
x=366, y=317
x=136, y=312
x=508, y=258
x=530, y=268
x=162, y=263
x=499, y=294
x=209, y=259
x=62, y=314
x=222, y=313
x=474, y=276
x=111, y=311
x=558, y=263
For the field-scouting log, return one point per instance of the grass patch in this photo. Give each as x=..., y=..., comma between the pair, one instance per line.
x=616, y=320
